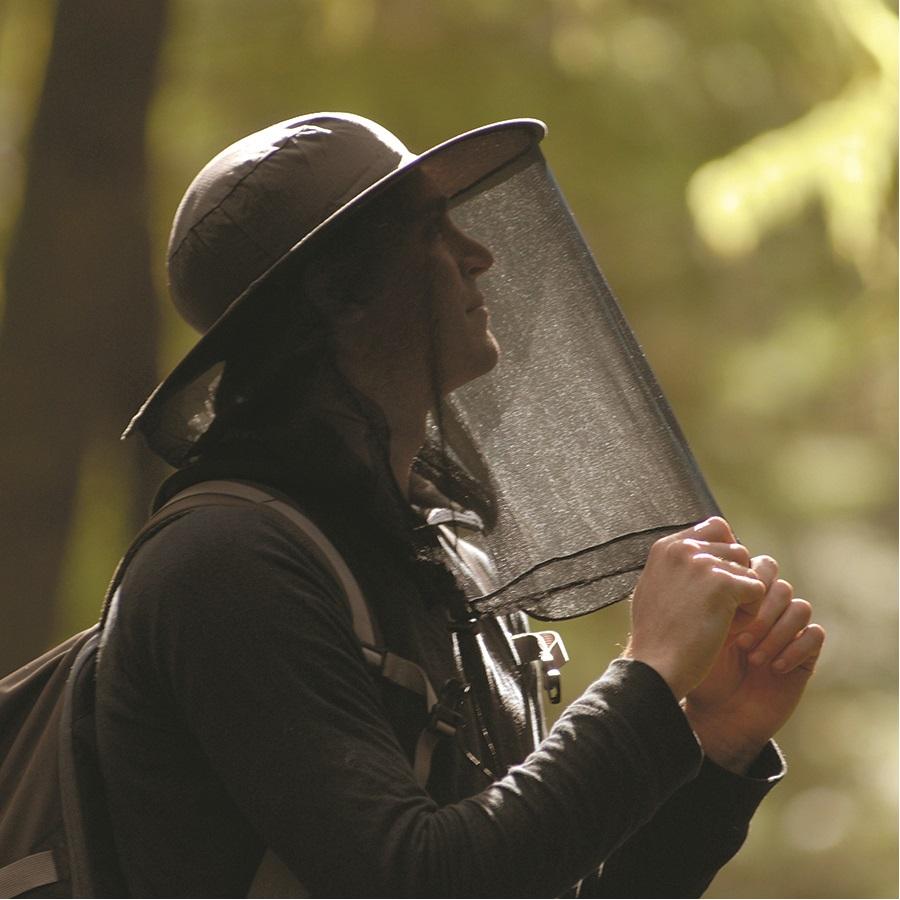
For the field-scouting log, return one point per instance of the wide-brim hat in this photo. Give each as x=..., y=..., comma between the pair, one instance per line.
x=569, y=435
x=260, y=208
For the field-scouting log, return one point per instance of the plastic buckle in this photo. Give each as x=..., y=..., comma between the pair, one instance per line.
x=471, y=624
x=443, y=716
x=548, y=649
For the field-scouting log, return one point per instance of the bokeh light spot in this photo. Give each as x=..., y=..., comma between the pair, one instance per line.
x=818, y=819
x=646, y=47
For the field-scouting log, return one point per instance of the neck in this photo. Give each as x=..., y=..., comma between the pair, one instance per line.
x=404, y=414
x=407, y=434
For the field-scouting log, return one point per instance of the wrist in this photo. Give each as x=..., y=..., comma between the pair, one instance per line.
x=662, y=667
x=724, y=745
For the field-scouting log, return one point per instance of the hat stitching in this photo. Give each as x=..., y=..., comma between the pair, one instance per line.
x=270, y=258
x=176, y=381
x=223, y=261
x=281, y=145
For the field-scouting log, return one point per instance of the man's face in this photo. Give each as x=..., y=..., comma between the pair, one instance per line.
x=431, y=296
x=462, y=339
x=414, y=323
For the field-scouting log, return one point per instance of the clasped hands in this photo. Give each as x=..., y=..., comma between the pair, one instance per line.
x=727, y=635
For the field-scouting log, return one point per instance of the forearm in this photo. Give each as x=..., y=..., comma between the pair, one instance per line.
x=610, y=761
x=272, y=688
x=326, y=786
x=613, y=758
x=694, y=834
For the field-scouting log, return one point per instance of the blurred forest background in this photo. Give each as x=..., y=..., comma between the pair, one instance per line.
x=733, y=165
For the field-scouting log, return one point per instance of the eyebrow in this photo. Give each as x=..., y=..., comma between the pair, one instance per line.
x=431, y=206
x=410, y=208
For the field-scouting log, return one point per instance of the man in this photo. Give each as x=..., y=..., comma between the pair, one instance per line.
x=236, y=713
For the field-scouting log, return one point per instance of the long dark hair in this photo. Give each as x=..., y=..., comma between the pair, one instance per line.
x=268, y=385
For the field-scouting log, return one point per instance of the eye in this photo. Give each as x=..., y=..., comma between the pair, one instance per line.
x=436, y=225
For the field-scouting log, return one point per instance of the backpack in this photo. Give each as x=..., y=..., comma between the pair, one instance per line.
x=56, y=836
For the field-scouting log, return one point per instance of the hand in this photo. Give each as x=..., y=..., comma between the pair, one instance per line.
x=686, y=599
x=759, y=676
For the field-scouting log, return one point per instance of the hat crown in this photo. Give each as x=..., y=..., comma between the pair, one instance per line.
x=261, y=196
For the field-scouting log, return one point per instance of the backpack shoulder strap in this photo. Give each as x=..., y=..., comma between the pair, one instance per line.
x=155, y=523
x=273, y=878
x=443, y=719
x=308, y=534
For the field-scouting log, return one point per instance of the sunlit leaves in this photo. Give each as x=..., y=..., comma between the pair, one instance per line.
x=842, y=154
x=763, y=288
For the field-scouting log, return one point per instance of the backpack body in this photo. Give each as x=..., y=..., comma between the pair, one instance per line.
x=56, y=837
x=50, y=783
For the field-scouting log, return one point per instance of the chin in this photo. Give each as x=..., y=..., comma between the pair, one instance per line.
x=478, y=361
x=491, y=352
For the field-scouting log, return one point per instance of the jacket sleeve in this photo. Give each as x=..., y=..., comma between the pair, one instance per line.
x=258, y=652
x=693, y=834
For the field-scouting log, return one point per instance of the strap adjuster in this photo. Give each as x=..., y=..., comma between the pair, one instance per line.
x=548, y=650
x=443, y=716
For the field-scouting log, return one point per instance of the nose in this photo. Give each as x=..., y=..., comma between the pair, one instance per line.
x=475, y=259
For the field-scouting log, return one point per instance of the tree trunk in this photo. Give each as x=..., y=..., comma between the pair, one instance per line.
x=78, y=338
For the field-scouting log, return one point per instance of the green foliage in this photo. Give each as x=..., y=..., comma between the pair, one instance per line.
x=841, y=152
x=25, y=31
x=733, y=165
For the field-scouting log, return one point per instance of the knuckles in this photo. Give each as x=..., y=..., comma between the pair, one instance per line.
x=742, y=555
x=779, y=597
x=716, y=528
x=682, y=552
x=687, y=551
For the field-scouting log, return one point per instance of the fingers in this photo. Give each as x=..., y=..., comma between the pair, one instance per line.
x=746, y=589
x=728, y=560
x=714, y=540
x=779, y=632
x=775, y=602
x=731, y=551
x=791, y=642
x=766, y=569
x=713, y=529
x=740, y=582
x=801, y=654
x=794, y=618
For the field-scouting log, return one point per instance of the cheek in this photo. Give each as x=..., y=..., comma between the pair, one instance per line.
x=399, y=319
x=468, y=350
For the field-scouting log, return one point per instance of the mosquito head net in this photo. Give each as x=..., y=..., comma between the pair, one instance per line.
x=568, y=444
x=585, y=458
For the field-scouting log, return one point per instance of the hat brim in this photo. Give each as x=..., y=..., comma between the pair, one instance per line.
x=456, y=166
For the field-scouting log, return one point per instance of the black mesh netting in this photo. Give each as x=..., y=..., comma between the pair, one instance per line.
x=585, y=457
x=570, y=433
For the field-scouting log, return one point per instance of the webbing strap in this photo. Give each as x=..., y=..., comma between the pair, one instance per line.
x=474, y=561
x=314, y=538
x=410, y=676
x=273, y=878
x=425, y=747
x=28, y=873
x=407, y=674
x=396, y=669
